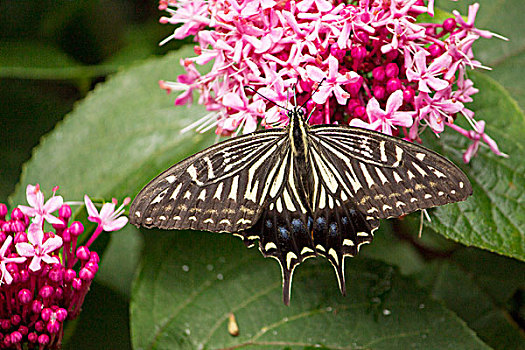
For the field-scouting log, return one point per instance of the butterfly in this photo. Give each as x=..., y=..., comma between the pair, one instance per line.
x=300, y=191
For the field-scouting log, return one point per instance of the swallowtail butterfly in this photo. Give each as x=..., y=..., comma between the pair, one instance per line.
x=300, y=191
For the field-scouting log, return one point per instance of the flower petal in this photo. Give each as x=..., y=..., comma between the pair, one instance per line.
x=6, y=276
x=92, y=211
x=373, y=110
x=6, y=245
x=31, y=195
x=315, y=73
x=35, y=235
x=51, y=244
x=394, y=102
x=25, y=249
x=233, y=101
x=107, y=210
x=50, y=259
x=35, y=263
x=53, y=204
x=116, y=224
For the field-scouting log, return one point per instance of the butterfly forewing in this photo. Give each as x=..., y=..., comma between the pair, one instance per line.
x=387, y=177
x=217, y=189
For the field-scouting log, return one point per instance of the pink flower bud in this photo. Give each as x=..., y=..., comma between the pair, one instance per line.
x=3, y=211
x=46, y=314
x=86, y=274
x=16, y=319
x=43, y=339
x=83, y=253
x=57, y=273
x=39, y=326
x=92, y=266
x=430, y=31
x=24, y=276
x=17, y=214
x=358, y=53
x=46, y=292
x=435, y=50
x=18, y=226
x=53, y=326
x=32, y=337
x=5, y=324
x=69, y=275
x=6, y=226
x=392, y=85
x=76, y=228
x=449, y=24
x=21, y=237
x=392, y=70
x=61, y=314
x=66, y=236
x=379, y=92
x=379, y=73
x=64, y=212
x=94, y=257
x=360, y=111
x=77, y=283
x=59, y=293
x=408, y=95
x=36, y=306
x=16, y=337
x=7, y=341
x=25, y=296
x=23, y=330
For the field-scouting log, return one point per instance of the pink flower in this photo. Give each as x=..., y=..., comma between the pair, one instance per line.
x=426, y=76
x=385, y=120
x=322, y=5
x=477, y=137
x=193, y=16
x=37, y=209
x=247, y=113
x=108, y=218
x=437, y=110
x=6, y=276
x=468, y=26
x=37, y=249
x=332, y=81
x=362, y=52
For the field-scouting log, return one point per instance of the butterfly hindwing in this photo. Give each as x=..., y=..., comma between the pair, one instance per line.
x=217, y=189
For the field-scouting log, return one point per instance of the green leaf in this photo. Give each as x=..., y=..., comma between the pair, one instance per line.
x=493, y=218
x=189, y=282
x=478, y=287
x=109, y=146
x=506, y=58
x=117, y=138
x=34, y=60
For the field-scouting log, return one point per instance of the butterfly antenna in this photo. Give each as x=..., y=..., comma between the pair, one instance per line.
x=317, y=88
x=266, y=98
x=295, y=95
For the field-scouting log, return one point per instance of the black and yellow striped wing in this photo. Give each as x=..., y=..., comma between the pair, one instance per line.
x=219, y=189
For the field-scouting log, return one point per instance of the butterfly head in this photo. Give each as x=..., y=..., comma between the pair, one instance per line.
x=296, y=112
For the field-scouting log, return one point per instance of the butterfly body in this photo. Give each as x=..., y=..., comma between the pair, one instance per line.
x=300, y=191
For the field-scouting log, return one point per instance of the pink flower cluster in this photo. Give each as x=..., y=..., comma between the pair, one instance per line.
x=380, y=68
x=41, y=284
